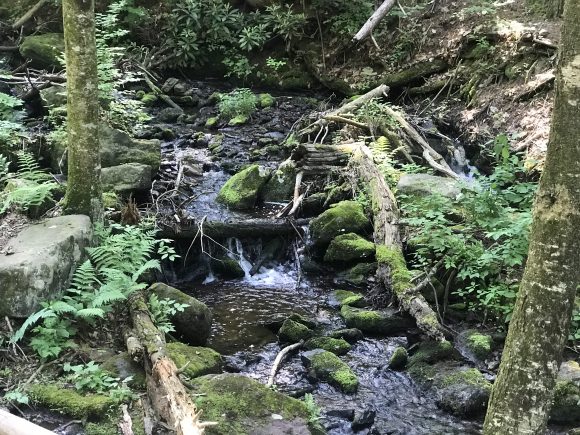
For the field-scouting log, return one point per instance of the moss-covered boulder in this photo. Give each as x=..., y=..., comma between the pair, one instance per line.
x=122, y=366
x=352, y=335
x=130, y=177
x=383, y=322
x=227, y=268
x=211, y=122
x=566, y=407
x=241, y=191
x=343, y=217
x=431, y=352
x=53, y=96
x=70, y=402
x=280, y=187
x=359, y=274
x=398, y=359
x=474, y=345
x=337, y=346
x=338, y=298
x=266, y=100
x=43, y=50
x=292, y=332
x=243, y=406
x=118, y=147
x=194, y=361
x=193, y=324
x=348, y=248
x=238, y=120
x=326, y=366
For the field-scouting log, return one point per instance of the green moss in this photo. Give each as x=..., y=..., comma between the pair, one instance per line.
x=479, y=344
x=431, y=352
x=241, y=191
x=343, y=217
x=242, y=406
x=468, y=376
x=398, y=359
x=149, y=99
x=422, y=372
x=70, y=402
x=280, y=187
x=358, y=274
x=566, y=399
x=227, y=268
x=400, y=275
x=238, y=120
x=352, y=335
x=373, y=322
x=110, y=426
x=292, y=331
x=303, y=320
x=44, y=50
x=346, y=297
x=349, y=247
x=110, y=200
x=329, y=368
x=337, y=346
x=194, y=361
x=211, y=122
x=123, y=366
x=265, y=100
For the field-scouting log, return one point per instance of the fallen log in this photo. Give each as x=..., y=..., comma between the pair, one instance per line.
x=169, y=398
x=374, y=20
x=11, y=424
x=392, y=270
x=29, y=14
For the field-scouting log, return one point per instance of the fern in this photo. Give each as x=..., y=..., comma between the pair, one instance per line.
x=28, y=168
x=4, y=166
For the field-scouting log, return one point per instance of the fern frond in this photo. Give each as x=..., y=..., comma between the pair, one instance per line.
x=107, y=295
x=28, y=168
x=62, y=307
x=90, y=313
x=85, y=277
x=32, y=319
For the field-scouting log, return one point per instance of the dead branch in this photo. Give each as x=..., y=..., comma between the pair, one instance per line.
x=374, y=20
x=10, y=424
x=279, y=358
x=29, y=14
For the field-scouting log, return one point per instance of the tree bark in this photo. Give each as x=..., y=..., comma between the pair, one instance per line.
x=522, y=394
x=83, y=195
x=374, y=20
x=392, y=270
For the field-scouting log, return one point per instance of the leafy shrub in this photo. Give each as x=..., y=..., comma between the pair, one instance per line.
x=240, y=102
x=161, y=311
x=10, y=116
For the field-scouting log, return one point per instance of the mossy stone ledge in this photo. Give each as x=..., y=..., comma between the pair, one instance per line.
x=338, y=298
x=383, y=322
x=194, y=361
x=292, y=332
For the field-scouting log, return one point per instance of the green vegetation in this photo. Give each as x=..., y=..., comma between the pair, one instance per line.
x=238, y=103
x=329, y=368
x=162, y=310
x=70, y=402
x=337, y=346
x=194, y=361
x=398, y=359
x=349, y=248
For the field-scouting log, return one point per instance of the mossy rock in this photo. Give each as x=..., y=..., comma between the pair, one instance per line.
x=280, y=187
x=327, y=367
x=211, y=122
x=431, y=352
x=243, y=406
x=122, y=366
x=352, y=335
x=474, y=345
x=359, y=274
x=194, y=361
x=382, y=322
x=227, y=268
x=398, y=359
x=343, y=217
x=400, y=275
x=266, y=100
x=70, y=402
x=292, y=331
x=193, y=324
x=111, y=200
x=338, y=346
x=346, y=297
x=241, y=191
x=43, y=50
x=309, y=323
x=348, y=248
x=149, y=99
x=566, y=407
x=238, y=120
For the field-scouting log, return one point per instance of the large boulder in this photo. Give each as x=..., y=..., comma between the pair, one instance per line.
x=425, y=185
x=348, y=248
x=43, y=50
x=129, y=177
x=118, y=147
x=53, y=96
x=379, y=322
x=43, y=259
x=343, y=217
x=474, y=345
x=241, y=191
x=280, y=187
x=566, y=408
x=243, y=406
x=193, y=324
x=194, y=361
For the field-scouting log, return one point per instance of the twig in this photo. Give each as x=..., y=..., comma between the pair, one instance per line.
x=281, y=355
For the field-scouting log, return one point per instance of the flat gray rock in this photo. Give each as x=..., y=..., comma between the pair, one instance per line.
x=42, y=260
x=425, y=185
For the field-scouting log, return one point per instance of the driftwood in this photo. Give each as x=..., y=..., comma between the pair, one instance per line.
x=29, y=14
x=392, y=271
x=168, y=396
x=279, y=358
x=374, y=20
x=11, y=424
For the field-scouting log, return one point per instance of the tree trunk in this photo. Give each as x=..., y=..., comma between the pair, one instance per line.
x=522, y=395
x=83, y=195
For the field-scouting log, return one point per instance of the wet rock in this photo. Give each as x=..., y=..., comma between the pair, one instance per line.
x=169, y=114
x=352, y=335
x=347, y=414
x=431, y=352
x=241, y=405
x=359, y=274
x=338, y=346
x=474, y=345
x=425, y=184
x=70, y=402
x=293, y=332
x=175, y=86
x=211, y=122
x=566, y=407
x=280, y=187
x=363, y=419
x=241, y=191
x=313, y=205
x=194, y=361
x=43, y=50
x=338, y=298
x=398, y=359
x=194, y=322
x=327, y=367
x=53, y=96
x=383, y=322
x=344, y=217
x=45, y=256
x=227, y=268
x=122, y=366
x=348, y=248
x=130, y=177
x=239, y=361
x=275, y=323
